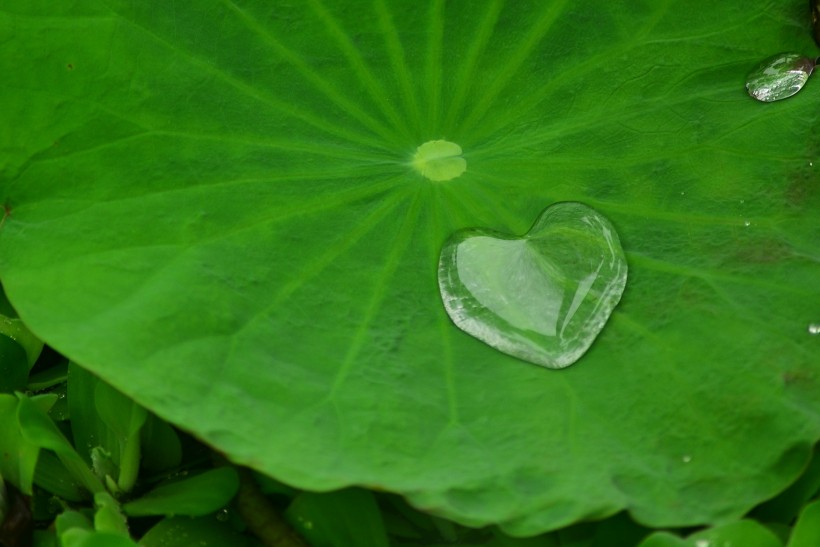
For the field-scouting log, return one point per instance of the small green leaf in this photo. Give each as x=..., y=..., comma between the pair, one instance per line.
x=68, y=520
x=120, y=413
x=186, y=531
x=544, y=540
x=196, y=496
x=345, y=518
x=19, y=455
x=161, y=448
x=786, y=506
x=83, y=538
x=745, y=533
x=13, y=327
x=37, y=428
x=87, y=427
x=48, y=377
x=806, y=531
x=13, y=365
x=108, y=517
x=124, y=418
x=106, y=426
x=53, y=476
x=663, y=539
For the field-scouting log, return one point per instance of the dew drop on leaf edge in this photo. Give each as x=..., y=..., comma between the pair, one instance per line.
x=543, y=297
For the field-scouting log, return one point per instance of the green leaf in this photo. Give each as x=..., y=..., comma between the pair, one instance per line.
x=347, y=518
x=184, y=531
x=38, y=429
x=538, y=541
x=124, y=419
x=161, y=447
x=12, y=327
x=215, y=209
x=13, y=365
x=48, y=377
x=663, y=539
x=108, y=517
x=747, y=533
x=107, y=425
x=787, y=505
x=19, y=455
x=87, y=427
x=806, y=532
x=53, y=476
x=84, y=538
x=195, y=496
x=68, y=520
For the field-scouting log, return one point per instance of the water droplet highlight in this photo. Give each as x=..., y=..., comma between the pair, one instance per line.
x=779, y=77
x=439, y=160
x=814, y=328
x=543, y=297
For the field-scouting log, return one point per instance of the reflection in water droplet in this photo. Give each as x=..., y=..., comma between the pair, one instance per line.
x=543, y=297
x=779, y=77
x=814, y=328
x=747, y=222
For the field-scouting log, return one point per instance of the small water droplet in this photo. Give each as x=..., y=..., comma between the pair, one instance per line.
x=686, y=459
x=747, y=222
x=543, y=297
x=702, y=543
x=779, y=77
x=223, y=515
x=814, y=328
x=742, y=201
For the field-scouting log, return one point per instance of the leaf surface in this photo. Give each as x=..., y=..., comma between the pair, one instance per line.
x=214, y=208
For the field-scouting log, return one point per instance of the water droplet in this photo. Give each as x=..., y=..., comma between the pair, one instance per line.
x=223, y=515
x=814, y=328
x=702, y=543
x=439, y=160
x=686, y=459
x=747, y=222
x=779, y=77
x=543, y=297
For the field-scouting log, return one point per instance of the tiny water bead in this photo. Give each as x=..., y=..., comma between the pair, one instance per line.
x=439, y=160
x=543, y=297
x=779, y=77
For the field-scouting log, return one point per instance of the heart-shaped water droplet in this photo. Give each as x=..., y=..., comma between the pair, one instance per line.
x=543, y=297
x=779, y=77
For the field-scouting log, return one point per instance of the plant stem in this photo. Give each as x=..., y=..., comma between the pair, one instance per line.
x=262, y=518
